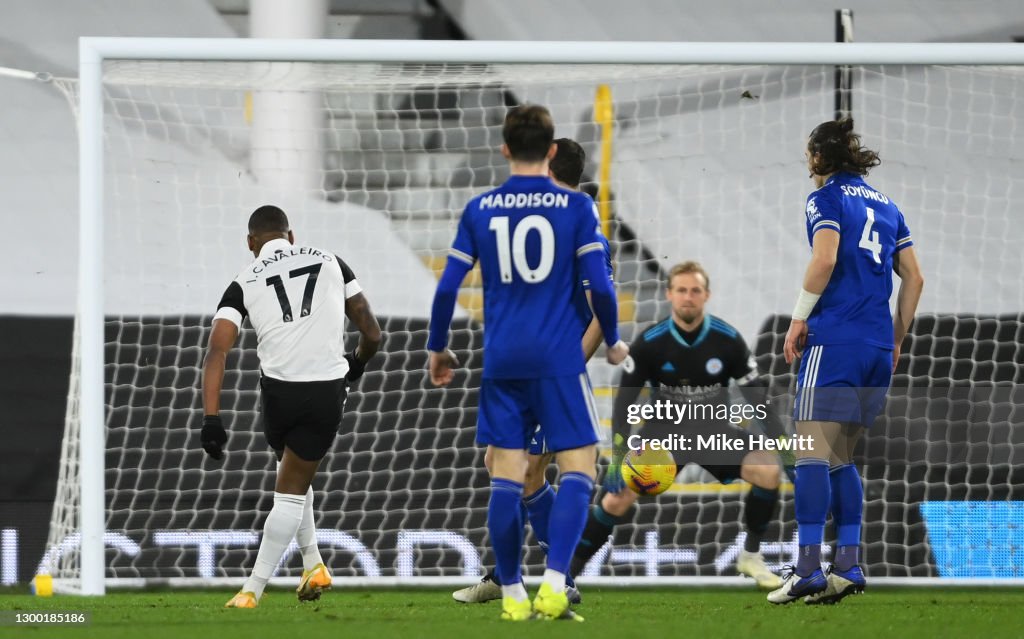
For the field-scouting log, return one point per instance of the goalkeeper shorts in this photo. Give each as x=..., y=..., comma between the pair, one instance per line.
x=843, y=383
x=510, y=410
x=304, y=416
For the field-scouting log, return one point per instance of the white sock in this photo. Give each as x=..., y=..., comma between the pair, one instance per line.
x=279, y=530
x=555, y=579
x=516, y=591
x=305, y=536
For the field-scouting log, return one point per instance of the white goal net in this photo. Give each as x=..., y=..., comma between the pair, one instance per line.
x=375, y=161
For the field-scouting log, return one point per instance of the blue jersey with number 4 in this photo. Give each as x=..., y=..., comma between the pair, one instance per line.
x=527, y=235
x=854, y=308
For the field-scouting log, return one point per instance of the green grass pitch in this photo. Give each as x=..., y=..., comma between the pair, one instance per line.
x=610, y=614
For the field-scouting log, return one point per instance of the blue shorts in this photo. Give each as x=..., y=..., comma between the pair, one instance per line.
x=843, y=383
x=511, y=409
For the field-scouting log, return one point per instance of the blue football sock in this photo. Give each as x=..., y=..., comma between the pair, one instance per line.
x=847, y=513
x=522, y=517
x=568, y=516
x=505, y=524
x=813, y=492
x=538, y=508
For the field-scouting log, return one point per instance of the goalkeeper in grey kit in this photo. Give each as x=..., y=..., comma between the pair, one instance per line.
x=691, y=357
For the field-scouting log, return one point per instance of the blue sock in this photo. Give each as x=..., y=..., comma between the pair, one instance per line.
x=505, y=523
x=568, y=516
x=847, y=513
x=522, y=517
x=538, y=508
x=813, y=492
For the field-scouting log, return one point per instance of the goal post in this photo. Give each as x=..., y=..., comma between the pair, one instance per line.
x=92, y=408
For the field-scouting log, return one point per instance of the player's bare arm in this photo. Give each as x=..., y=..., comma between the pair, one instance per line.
x=357, y=309
x=222, y=339
x=911, y=284
x=819, y=271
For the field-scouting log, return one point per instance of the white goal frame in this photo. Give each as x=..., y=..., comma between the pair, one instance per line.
x=94, y=51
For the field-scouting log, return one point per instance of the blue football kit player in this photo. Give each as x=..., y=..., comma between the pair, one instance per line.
x=534, y=241
x=848, y=343
x=566, y=171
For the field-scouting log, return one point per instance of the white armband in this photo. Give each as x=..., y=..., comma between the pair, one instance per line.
x=804, y=305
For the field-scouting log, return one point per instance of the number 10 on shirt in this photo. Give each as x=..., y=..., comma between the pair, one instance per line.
x=514, y=252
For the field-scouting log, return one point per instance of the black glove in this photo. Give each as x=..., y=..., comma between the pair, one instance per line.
x=356, y=368
x=213, y=436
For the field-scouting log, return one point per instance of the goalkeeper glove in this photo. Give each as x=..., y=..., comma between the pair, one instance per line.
x=213, y=436
x=613, y=481
x=356, y=368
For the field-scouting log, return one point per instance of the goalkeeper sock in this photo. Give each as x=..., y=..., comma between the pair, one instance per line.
x=305, y=536
x=812, y=501
x=847, y=513
x=278, y=531
x=538, y=507
x=757, y=512
x=600, y=525
x=568, y=517
x=505, y=524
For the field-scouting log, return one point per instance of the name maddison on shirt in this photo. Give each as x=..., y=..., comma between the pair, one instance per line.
x=524, y=200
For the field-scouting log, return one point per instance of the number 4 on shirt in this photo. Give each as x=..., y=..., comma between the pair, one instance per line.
x=869, y=238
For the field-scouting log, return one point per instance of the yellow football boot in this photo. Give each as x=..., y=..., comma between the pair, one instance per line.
x=550, y=605
x=512, y=610
x=313, y=583
x=242, y=600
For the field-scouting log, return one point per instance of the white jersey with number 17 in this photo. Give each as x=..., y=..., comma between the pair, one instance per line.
x=294, y=296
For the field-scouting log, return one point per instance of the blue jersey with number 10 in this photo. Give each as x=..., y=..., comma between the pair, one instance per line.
x=854, y=308
x=527, y=235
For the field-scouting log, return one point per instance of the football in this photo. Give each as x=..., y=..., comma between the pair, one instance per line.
x=649, y=472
